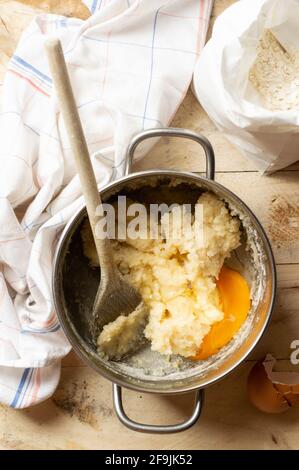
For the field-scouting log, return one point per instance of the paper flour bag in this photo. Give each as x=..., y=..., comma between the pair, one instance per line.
x=247, y=80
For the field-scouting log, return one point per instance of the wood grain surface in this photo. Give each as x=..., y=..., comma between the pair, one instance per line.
x=80, y=414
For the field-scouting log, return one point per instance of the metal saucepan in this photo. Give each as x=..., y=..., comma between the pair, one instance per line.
x=75, y=284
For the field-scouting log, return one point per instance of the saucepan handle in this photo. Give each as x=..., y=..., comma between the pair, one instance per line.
x=151, y=428
x=173, y=132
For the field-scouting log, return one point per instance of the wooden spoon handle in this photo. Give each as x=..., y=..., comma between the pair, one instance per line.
x=79, y=147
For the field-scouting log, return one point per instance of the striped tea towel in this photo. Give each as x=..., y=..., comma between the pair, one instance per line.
x=130, y=63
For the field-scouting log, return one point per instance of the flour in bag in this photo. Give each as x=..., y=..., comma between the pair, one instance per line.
x=275, y=74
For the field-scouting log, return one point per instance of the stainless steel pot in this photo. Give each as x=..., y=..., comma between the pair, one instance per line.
x=75, y=285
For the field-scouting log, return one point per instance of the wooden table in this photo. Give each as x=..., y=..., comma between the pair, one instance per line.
x=80, y=414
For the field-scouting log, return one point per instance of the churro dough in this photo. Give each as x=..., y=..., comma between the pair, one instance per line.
x=123, y=335
x=176, y=278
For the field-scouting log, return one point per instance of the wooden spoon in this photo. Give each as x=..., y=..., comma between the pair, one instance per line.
x=115, y=296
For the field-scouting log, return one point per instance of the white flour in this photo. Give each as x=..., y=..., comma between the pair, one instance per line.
x=275, y=74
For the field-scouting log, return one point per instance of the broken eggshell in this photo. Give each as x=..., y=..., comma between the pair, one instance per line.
x=270, y=391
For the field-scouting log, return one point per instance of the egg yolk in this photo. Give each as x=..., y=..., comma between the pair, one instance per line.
x=235, y=303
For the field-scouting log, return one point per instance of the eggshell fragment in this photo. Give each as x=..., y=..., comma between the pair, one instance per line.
x=270, y=391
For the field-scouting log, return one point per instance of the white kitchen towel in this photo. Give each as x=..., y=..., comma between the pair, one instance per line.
x=130, y=64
